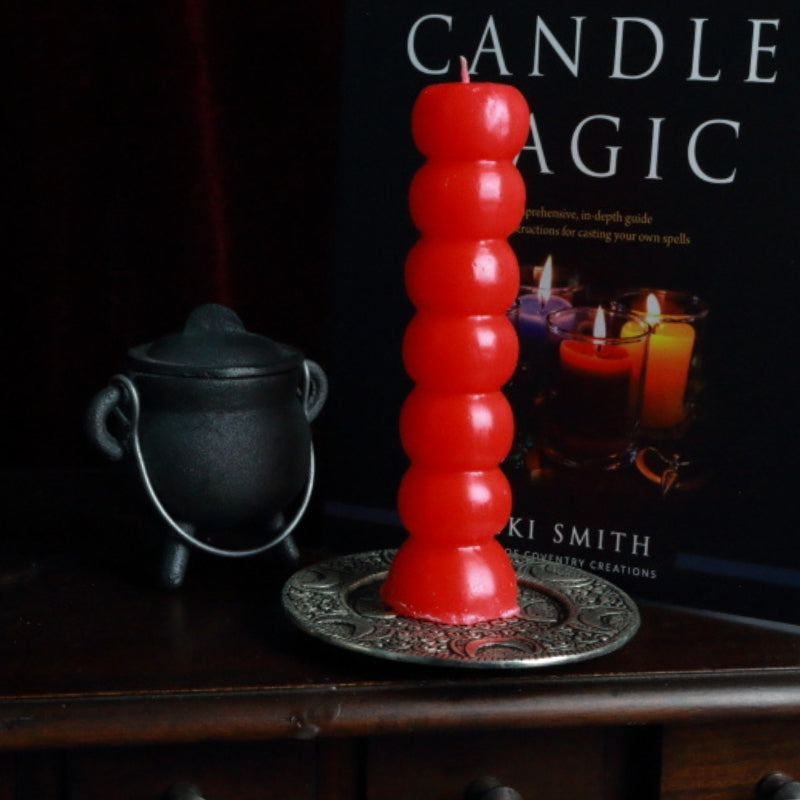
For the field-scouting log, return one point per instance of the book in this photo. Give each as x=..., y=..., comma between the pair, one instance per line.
x=661, y=155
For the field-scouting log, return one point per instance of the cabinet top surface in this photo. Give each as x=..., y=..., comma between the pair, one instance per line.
x=84, y=630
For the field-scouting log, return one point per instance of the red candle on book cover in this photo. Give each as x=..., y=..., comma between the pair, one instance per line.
x=459, y=349
x=595, y=381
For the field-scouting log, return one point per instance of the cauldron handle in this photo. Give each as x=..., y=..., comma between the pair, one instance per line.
x=315, y=388
x=103, y=404
x=183, y=532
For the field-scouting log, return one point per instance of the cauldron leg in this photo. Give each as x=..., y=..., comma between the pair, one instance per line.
x=174, y=557
x=286, y=549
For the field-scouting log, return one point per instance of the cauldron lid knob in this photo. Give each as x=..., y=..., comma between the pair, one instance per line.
x=214, y=343
x=213, y=317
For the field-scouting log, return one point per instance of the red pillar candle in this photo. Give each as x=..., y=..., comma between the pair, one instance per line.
x=459, y=349
x=595, y=386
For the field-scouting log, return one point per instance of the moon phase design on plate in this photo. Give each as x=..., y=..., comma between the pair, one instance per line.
x=566, y=615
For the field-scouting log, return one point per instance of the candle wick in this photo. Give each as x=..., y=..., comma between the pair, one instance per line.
x=464, y=69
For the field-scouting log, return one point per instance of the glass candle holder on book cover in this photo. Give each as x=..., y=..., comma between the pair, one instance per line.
x=594, y=378
x=540, y=293
x=543, y=289
x=673, y=371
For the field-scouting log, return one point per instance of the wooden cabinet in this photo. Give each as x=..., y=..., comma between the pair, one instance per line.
x=723, y=761
x=112, y=687
x=244, y=771
x=680, y=762
x=585, y=762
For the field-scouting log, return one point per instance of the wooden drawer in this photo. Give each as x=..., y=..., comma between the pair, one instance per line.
x=726, y=761
x=7, y=777
x=604, y=764
x=32, y=775
x=220, y=771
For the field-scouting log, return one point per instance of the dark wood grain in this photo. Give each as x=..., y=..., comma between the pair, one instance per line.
x=106, y=677
x=243, y=772
x=726, y=762
x=539, y=764
x=93, y=652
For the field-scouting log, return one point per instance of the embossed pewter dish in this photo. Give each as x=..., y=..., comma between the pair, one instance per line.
x=566, y=615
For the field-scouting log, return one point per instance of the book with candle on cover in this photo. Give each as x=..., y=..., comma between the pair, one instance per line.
x=661, y=155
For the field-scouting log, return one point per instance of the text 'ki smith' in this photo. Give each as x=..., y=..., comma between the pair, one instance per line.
x=593, y=539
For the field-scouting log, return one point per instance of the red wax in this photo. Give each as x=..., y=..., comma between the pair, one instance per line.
x=602, y=361
x=477, y=500
x=475, y=577
x=494, y=193
x=470, y=121
x=455, y=430
x=594, y=385
x=459, y=349
x=489, y=266
x=467, y=354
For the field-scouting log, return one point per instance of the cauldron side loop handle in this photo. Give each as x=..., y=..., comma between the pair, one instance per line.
x=103, y=404
x=315, y=388
x=167, y=517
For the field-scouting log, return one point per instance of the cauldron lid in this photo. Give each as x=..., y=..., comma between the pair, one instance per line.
x=215, y=344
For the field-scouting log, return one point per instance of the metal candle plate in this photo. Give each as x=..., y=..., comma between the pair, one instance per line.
x=566, y=615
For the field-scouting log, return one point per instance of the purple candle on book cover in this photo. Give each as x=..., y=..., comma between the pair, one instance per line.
x=533, y=309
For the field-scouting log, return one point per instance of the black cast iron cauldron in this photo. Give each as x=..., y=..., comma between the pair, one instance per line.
x=216, y=421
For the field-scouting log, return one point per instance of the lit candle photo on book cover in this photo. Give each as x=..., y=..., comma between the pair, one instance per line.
x=673, y=356
x=593, y=386
x=531, y=311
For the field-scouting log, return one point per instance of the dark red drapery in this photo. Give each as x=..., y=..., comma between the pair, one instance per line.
x=157, y=156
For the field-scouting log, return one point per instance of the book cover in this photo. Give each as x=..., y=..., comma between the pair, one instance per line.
x=661, y=156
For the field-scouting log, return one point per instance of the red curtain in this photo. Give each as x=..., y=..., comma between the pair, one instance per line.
x=158, y=155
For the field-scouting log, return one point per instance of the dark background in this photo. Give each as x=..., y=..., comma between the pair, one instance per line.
x=156, y=155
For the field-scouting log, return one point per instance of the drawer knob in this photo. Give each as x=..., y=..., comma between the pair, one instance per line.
x=490, y=789
x=182, y=791
x=777, y=786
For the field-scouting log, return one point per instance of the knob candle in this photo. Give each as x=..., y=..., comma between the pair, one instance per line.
x=459, y=349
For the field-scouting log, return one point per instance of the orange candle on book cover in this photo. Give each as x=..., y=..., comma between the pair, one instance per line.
x=668, y=358
x=672, y=371
x=459, y=349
